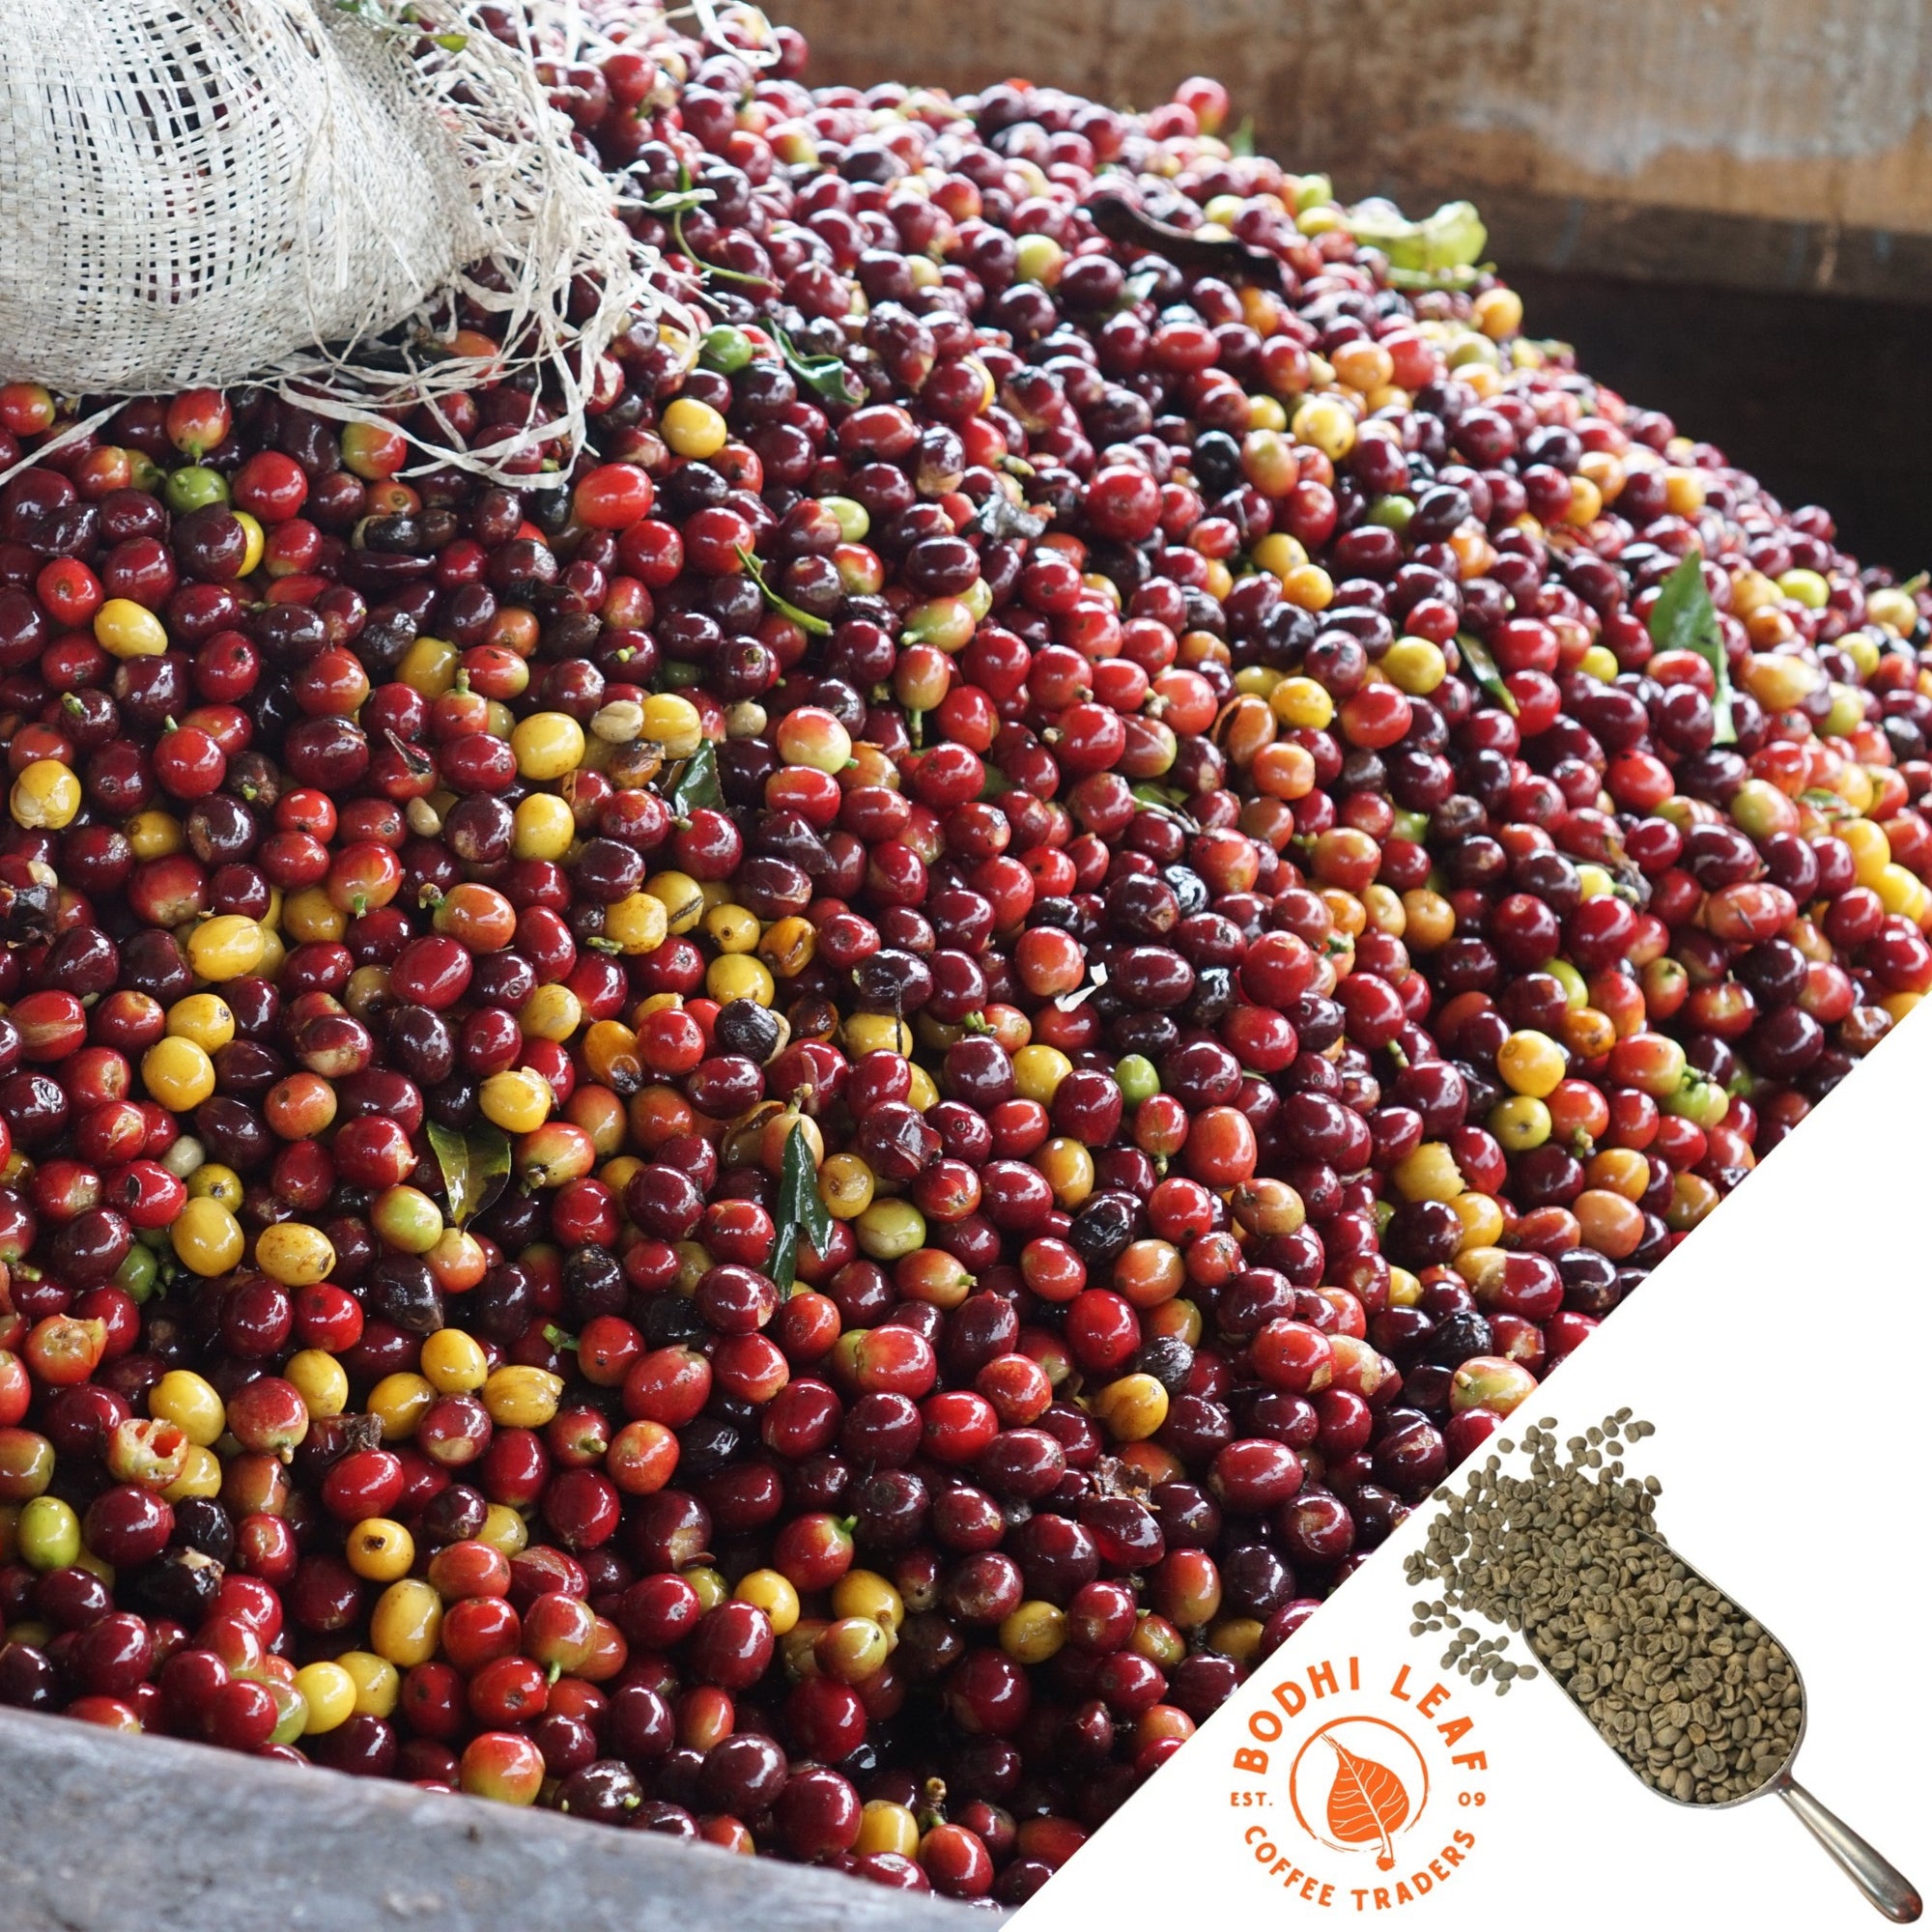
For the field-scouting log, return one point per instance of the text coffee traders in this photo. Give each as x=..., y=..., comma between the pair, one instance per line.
x=1359, y=1785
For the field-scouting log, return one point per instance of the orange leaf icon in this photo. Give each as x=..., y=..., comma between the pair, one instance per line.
x=1367, y=1804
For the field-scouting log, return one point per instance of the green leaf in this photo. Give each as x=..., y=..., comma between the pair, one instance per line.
x=697, y=784
x=1165, y=802
x=1452, y=238
x=800, y=1208
x=825, y=375
x=816, y=627
x=1685, y=620
x=452, y=44
x=1241, y=142
x=475, y=1165
x=784, y=1265
x=1827, y=803
x=1483, y=668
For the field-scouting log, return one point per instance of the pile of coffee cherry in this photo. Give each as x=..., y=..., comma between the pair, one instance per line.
x=784, y=1133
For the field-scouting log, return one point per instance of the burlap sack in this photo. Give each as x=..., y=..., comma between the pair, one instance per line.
x=203, y=191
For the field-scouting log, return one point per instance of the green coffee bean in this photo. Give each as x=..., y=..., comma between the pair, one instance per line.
x=1700, y=1701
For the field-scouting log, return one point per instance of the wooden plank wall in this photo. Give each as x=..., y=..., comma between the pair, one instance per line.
x=1782, y=144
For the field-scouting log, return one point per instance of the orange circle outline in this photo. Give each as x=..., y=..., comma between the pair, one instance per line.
x=1314, y=1737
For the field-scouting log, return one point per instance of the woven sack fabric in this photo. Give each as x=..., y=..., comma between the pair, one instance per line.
x=188, y=194
x=211, y=191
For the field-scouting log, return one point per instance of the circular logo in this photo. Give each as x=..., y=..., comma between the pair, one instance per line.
x=1360, y=1782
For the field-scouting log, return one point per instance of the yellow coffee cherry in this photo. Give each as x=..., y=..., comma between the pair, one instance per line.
x=1278, y=554
x=886, y=1827
x=178, y=1073
x=710, y=1588
x=405, y=1623
x=1038, y=1071
x=740, y=976
x=329, y=1693
x=1497, y=313
x=46, y=796
x=208, y=1239
x=1069, y=1169
x=399, y=1401
x=1429, y=1174
x=1327, y=424
x=1482, y=1219
x=1301, y=702
x=226, y=947
x=549, y=745
x=1133, y=1408
x=521, y=1397
x=1238, y=1638
x=889, y=1229
x=201, y=1476
x=125, y=628
x=430, y=667
x=732, y=929
x=295, y=1254
x=864, y=1593
x=1309, y=588
x=183, y=1398
x=1415, y=665
x=845, y=1184
x=1519, y=1124
x=681, y=896
x=692, y=429
x=1034, y=1633
x=210, y=1181
x=504, y=1530
x=156, y=834
x=876, y=1033
x=378, y=1682
x=519, y=1100
x=552, y=1013
x=311, y=918
x=453, y=1362
x=638, y=923
x=1892, y=609
x=543, y=827
x=320, y=1380
x=1871, y=849
x=672, y=722
x=48, y=1534
x=258, y=542
x=1531, y=1062
x=204, y=1018
x=770, y=1591
x=379, y=1550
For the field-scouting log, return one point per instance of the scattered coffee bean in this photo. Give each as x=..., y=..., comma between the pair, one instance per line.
x=1693, y=1694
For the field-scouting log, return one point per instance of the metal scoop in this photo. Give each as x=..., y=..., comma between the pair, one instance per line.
x=1875, y=1876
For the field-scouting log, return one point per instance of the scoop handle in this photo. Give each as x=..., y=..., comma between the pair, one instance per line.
x=1881, y=1882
